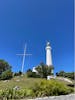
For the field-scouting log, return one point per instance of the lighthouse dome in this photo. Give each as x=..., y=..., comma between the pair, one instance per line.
x=48, y=43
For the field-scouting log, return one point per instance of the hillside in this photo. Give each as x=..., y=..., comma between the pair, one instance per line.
x=22, y=82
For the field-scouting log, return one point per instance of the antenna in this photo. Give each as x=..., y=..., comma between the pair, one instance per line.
x=24, y=55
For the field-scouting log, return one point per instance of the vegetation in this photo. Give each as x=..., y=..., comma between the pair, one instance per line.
x=50, y=88
x=5, y=70
x=20, y=81
x=42, y=71
x=66, y=74
x=18, y=73
x=31, y=87
x=15, y=94
x=44, y=88
x=6, y=75
x=32, y=74
x=4, y=66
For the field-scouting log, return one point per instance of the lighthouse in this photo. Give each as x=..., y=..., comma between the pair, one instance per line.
x=48, y=54
x=48, y=58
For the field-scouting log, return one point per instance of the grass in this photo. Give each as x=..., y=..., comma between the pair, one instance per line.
x=42, y=88
x=22, y=82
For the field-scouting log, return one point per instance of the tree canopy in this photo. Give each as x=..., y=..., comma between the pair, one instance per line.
x=66, y=74
x=44, y=70
x=4, y=66
x=5, y=70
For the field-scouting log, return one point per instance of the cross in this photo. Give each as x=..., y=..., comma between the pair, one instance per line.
x=24, y=55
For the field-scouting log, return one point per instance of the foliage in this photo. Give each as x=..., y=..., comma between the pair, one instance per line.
x=29, y=73
x=44, y=70
x=32, y=74
x=44, y=88
x=6, y=75
x=50, y=88
x=18, y=73
x=5, y=70
x=16, y=94
x=61, y=73
x=70, y=75
x=4, y=66
x=21, y=81
x=66, y=74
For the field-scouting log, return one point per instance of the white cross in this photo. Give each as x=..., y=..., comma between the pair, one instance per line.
x=24, y=54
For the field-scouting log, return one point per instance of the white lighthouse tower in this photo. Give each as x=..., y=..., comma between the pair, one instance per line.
x=48, y=54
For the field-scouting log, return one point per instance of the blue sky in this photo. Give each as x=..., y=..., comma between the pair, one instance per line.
x=34, y=22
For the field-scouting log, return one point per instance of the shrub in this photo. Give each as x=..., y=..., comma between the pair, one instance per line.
x=50, y=88
x=18, y=73
x=70, y=75
x=16, y=94
x=6, y=75
x=44, y=70
x=32, y=74
x=44, y=88
x=4, y=66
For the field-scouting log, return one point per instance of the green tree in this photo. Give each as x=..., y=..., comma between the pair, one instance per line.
x=44, y=70
x=70, y=75
x=61, y=73
x=29, y=73
x=4, y=66
x=18, y=73
x=5, y=70
x=6, y=75
x=32, y=74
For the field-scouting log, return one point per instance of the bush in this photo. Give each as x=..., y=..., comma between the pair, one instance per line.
x=5, y=70
x=6, y=75
x=50, y=88
x=44, y=88
x=44, y=70
x=18, y=73
x=4, y=66
x=16, y=94
x=70, y=75
x=32, y=74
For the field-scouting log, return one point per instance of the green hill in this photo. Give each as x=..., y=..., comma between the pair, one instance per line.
x=22, y=82
x=32, y=88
